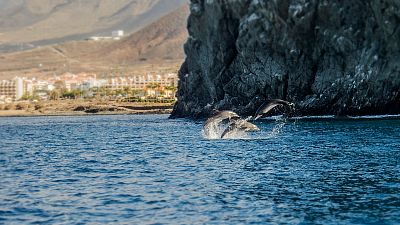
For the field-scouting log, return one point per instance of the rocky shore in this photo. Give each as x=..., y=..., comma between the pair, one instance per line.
x=80, y=107
x=328, y=57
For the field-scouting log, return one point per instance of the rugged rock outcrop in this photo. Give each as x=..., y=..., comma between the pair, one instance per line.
x=328, y=57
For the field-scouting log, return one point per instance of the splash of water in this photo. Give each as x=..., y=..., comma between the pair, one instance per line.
x=214, y=130
x=277, y=129
x=217, y=131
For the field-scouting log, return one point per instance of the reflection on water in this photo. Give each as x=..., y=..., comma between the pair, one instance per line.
x=148, y=169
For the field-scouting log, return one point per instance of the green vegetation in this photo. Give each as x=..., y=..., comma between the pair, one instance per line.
x=74, y=94
x=171, y=88
x=153, y=92
x=153, y=86
x=28, y=97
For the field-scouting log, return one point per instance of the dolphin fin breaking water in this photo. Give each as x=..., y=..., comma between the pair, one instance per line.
x=265, y=108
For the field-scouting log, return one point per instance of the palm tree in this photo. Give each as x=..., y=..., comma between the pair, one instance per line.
x=153, y=86
x=55, y=94
x=171, y=89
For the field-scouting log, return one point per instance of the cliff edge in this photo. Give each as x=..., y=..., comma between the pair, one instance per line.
x=328, y=57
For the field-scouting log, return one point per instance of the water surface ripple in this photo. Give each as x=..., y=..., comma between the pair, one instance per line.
x=151, y=170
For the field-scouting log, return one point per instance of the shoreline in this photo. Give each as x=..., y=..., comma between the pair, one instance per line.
x=21, y=113
x=82, y=108
x=5, y=114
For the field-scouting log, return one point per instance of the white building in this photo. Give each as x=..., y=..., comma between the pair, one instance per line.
x=41, y=85
x=13, y=89
x=117, y=34
x=19, y=88
x=99, y=38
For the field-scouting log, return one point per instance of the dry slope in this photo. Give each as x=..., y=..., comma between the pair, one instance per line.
x=159, y=43
x=42, y=22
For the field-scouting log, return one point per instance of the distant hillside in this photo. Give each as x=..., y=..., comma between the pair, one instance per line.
x=157, y=45
x=25, y=24
x=161, y=40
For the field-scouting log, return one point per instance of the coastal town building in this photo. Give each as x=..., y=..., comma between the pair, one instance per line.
x=115, y=35
x=152, y=85
x=99, y=38
x=70, y=81
x=11, y=90
x=141, y=81
x=41, y=85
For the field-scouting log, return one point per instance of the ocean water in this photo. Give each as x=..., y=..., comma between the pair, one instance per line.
x=152, y=170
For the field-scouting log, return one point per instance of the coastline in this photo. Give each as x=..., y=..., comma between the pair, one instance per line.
x=82, y=108
x=4, y=114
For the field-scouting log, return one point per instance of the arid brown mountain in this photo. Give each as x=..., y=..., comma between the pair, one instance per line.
x=25, y=24
x=162, y=40
x=158, y=46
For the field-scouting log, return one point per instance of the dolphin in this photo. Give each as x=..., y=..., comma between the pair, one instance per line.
x=267, y=107
x=239, y=125
x=220, y=118
x=232, y=123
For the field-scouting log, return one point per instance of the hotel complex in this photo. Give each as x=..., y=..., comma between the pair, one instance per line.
x=150, y=84
x=11, y=90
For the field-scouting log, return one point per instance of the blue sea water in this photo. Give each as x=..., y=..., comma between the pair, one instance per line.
x=152, y=170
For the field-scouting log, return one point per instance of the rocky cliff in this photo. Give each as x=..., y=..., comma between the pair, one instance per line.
x=328, y=57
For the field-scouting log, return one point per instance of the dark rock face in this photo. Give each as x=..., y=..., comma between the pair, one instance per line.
x=328, y=57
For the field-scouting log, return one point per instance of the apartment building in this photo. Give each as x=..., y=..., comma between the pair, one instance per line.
x=13, y=89
x=141, y=82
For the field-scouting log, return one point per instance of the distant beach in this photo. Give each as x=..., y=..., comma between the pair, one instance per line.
x=82, y=108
